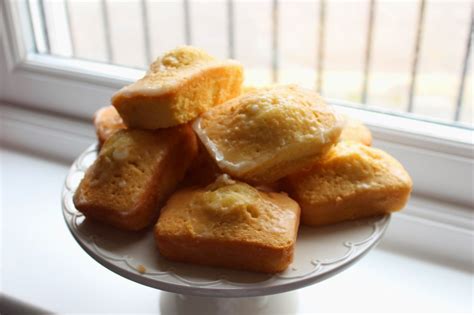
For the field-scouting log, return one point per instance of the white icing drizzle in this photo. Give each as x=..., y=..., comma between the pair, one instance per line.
x=217, y=154
x=120, y=154
x=145, y=88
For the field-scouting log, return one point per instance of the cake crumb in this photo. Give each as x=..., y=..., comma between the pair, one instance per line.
x=141, y=269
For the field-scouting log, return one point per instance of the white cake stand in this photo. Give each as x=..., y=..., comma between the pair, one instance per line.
x=320, y=252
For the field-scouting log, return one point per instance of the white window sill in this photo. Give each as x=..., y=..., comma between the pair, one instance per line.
x=42, y=264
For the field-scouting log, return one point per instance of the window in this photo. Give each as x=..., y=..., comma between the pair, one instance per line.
x=405, y=57
x=402, y=67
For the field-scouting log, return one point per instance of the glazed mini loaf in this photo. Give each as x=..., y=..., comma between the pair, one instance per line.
x=107, y=122
x=355, y=130
x=268, y=133
x=351, y=182
x=229, y=224
x=135, y=172
x=179, y=86
x=203, y=170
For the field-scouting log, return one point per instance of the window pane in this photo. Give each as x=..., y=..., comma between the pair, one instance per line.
x=403, y=56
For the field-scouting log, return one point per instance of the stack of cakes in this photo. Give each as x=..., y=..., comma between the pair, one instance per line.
x=226, y=173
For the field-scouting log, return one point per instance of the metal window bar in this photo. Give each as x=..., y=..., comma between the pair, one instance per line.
x=187, y=22
x=30, y=25
x=465, y=66
x=107, y=33
x=44, y=26
x=67, y=13
x=230, y=29
x=146, y=32
x=368, y=51
x=274, y=47
x=414, y=67
x=321, y=45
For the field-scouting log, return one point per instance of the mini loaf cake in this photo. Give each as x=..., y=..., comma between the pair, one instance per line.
x=107, y=122
x=229, y=224
x=135, y=172
x=355, y=130
x=179, y=86
x=203, y=170
x=269, y=133
x=248, y=89
x=352, y=181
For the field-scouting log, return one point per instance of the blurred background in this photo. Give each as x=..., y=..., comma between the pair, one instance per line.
x=400, y=56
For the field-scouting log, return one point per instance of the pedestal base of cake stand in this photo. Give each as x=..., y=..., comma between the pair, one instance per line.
x=284, y=303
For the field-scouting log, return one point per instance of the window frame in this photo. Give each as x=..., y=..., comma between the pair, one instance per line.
x=439, y=157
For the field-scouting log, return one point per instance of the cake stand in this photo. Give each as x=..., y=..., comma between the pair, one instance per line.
x=320, y=252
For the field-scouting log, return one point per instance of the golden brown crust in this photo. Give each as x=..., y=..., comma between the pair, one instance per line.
x=133, y=175
x=179, y=86
x=232, y=254
x=353, y=181
x=355, y=130
x=107, y=121
x=203, y=169
x=229, y=224
x=269, y=133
